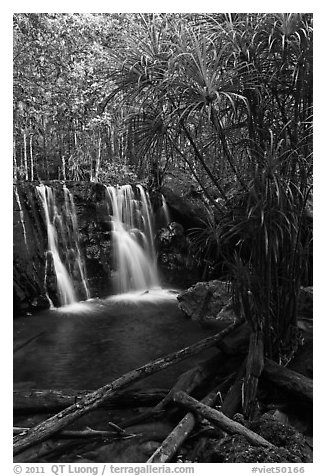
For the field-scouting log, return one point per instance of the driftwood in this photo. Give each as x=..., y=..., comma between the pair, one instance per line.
x=187, y=382
x=88, y=433
x=202, y=440
x=172, y=443
x=232, y=401
x=45, y=429
x=219, y=419
x=38, y=400
x=195, y=377
x=289, y=380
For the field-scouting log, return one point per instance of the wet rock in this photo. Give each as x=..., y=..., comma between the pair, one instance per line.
x=29, y=242
x=27, y=289
x=176, y=263
x=183, y=210
x=31, y=260
x=206, y=301
x=172, y=238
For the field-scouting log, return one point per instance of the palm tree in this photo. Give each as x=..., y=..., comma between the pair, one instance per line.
x=231, y=96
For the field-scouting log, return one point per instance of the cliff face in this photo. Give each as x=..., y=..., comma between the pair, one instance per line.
x=29, y=234
x=31, y=292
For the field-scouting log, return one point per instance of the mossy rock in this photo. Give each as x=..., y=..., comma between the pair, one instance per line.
x=290, y=445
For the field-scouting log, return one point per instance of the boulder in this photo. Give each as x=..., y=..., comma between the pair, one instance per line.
x=208, y=300
x=185, y=210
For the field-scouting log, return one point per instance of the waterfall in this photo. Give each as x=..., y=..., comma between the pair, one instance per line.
x=166, y=213
x=74, y=240
x=133, y=239
x=63, y=246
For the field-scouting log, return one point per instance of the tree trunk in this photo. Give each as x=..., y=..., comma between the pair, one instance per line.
x=31, y=156
x=89, y=433
x=187, y=382
x=254, y=368
x=172, y=443
x=193, y=378
x=37, y=401
x=293, y=382
x=199, y=449
x=97, y=168
x=15, y=160
x=220, y=420
x=231, y=345
x=25, y=157
x=233, y=399
x=91, y=401
x=44, y=149
x=63, y=161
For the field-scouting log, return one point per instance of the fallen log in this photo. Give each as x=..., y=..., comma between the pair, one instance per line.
x=289, y=380
x=199, y=447
x=39, y=400
x=166, y=451
x=233, y=399
x=192, y=378
x=187, y=382
x=195, y=377
x=88, y=433
x=45, y=429
x=219, y=419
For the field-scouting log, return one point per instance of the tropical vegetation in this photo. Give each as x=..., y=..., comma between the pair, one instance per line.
x=223, y=98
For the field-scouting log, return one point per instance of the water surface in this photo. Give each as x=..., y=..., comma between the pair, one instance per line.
x=88, y=344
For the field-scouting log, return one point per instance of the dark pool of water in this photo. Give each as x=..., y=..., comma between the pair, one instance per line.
x=92, y=343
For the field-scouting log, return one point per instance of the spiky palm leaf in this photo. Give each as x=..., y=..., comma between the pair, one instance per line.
x=231, y=94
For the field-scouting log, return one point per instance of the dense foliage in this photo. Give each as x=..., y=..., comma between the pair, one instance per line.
x=225, y=97
x=61, y=64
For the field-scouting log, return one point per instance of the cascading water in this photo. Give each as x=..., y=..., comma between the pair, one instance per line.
x=133, y=239
x=166, y=213
x=67, y=262
x=65, y=288
x=73, y=240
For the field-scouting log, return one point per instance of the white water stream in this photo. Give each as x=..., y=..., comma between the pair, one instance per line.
x=66, y=257
x=133, y=239
x=134, y=256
